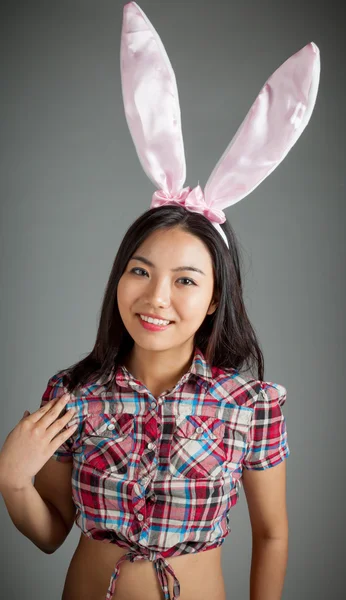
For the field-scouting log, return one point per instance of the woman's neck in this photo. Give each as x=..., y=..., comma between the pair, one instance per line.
x=159, y=371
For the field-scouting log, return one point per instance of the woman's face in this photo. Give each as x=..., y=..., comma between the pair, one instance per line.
x=170, y=276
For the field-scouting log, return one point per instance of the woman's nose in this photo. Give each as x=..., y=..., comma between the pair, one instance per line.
x=159, y=294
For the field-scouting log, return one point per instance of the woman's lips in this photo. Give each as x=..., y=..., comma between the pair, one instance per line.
x=152, y=326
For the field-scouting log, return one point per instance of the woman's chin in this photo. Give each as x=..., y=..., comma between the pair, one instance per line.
x=152, y=344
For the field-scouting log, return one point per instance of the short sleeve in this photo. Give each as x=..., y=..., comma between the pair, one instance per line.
x=267, y=436
x=56, y=388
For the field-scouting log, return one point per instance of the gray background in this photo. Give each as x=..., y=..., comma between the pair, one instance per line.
x=71, y=184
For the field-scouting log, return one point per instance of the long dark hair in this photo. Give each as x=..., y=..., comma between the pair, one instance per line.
x=226, y=338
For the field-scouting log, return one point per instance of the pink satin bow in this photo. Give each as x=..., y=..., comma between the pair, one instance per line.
x=191, y=199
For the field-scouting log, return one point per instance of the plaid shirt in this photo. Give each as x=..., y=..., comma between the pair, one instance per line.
x=158, y=476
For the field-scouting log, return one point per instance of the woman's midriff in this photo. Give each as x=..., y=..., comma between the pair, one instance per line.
x=200, y=574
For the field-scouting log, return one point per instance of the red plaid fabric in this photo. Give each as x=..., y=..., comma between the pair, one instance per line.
x=159, y=476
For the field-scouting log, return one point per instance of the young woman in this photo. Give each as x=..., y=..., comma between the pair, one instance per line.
x=144, y=443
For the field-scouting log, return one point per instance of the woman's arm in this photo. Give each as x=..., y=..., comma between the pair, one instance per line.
x=34, y=517
x=268, y=568
x=265, y=492
x=44, y=511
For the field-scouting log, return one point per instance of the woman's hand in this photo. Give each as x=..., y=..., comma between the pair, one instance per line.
x=33, y=441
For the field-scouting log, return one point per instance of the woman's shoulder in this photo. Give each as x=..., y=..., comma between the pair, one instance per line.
x=245, y=389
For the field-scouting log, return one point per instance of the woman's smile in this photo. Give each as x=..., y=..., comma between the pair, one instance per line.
x=154, y=324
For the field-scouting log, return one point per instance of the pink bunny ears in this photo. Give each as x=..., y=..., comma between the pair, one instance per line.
x=272, y=126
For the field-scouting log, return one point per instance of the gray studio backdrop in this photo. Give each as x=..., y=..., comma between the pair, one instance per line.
x=71, y=184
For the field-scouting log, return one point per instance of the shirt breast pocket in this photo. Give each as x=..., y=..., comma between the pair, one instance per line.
x=197, y=449
x=107, y=442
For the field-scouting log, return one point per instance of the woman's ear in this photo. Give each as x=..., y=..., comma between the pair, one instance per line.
x=212, y=307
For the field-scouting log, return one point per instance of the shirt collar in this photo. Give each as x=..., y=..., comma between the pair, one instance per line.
x=199, y=368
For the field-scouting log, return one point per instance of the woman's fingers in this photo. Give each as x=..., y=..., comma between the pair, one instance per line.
x=53, y=408
x=43, y=410
x=58, y=432
x=57, y=411
x=57, y=415
x=58, y=424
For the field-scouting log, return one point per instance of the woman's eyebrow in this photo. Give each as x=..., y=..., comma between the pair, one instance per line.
x=150, y=264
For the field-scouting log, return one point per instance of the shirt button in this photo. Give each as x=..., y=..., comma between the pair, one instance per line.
x=199, y=429
x=153, y=405
x=140, y=517
x=153, y=498
x=111, y=426
x=160, y=401
x=151, y=446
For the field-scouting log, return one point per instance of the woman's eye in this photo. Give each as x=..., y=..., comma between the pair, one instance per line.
x=135, y=269
x=189, y=281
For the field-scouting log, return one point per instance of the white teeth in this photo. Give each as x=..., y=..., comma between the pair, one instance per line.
x=154, y=321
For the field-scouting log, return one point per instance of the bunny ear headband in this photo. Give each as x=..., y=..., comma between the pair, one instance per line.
x=272, y=126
